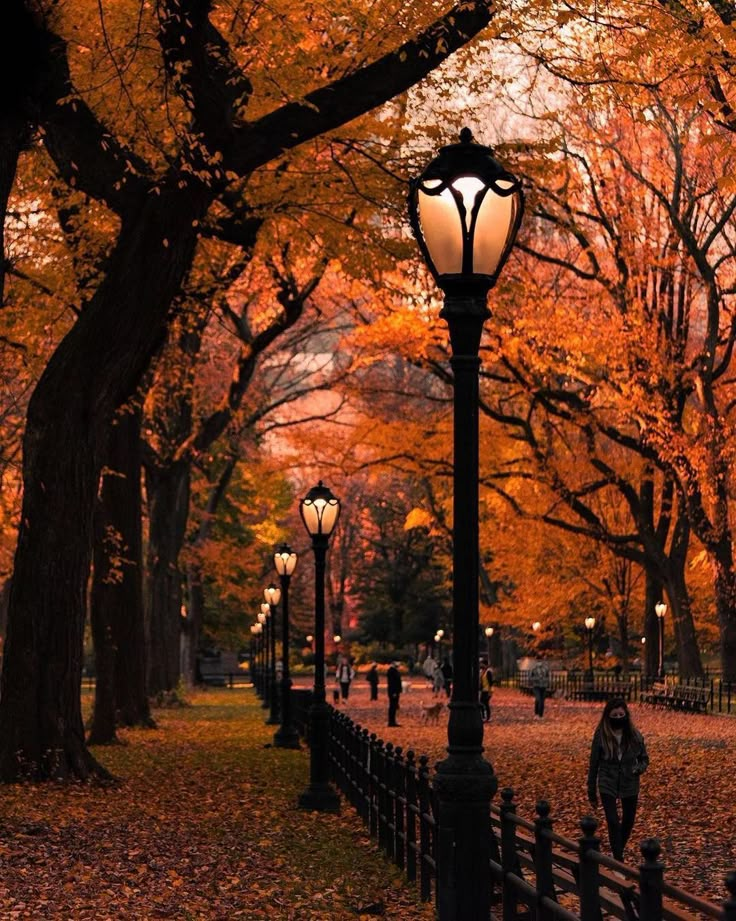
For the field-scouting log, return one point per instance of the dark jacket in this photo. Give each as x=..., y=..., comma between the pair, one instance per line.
x=372, y=676
x=393, y=680
x=616, y=777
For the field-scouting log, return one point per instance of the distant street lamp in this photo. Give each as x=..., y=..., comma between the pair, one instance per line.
x=286, y=735
x=465, y=210
x=336, y=639
x=255, y=662
x=660, y=609
x=263, y=620
x=272, y=596
x=536, y=626
x=589, y=627
x=320, y=511
x=489, y=633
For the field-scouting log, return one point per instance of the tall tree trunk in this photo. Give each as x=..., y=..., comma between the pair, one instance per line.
x=725, y=582
x=195, y=618
x=131, y=691
x=167, y=489
x=652, y=594
x=96, y=367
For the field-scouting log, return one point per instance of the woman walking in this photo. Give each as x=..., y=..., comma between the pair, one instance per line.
x=618, y=757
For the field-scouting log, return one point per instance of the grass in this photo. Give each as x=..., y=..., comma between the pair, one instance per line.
x=203, y=824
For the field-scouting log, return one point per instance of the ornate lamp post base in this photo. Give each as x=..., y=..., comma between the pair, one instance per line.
x=319, y=798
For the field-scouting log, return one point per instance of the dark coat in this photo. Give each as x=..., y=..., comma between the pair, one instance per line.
x=372, y=677
x=393, y=680
x=616, y=777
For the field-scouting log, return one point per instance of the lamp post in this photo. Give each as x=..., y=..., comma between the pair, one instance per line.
x=438, y=640
x=319, y=510
x=589, y=626
x=265, y=683
x=273, y=596
x=660, y=609
x=465, y=210
x=286, y=735
x=489, y=633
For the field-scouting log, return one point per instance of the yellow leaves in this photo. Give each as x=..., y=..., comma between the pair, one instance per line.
x=417, y=518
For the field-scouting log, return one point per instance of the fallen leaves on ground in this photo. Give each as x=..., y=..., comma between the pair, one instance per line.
x=203, y=826
x=687, y=795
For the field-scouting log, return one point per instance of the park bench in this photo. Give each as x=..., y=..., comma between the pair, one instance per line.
x=600, y=691
x=686, y=697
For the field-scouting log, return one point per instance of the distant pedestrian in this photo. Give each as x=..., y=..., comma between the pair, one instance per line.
x=540, y=683
x=618, y=757
x=372, y=678
x=438, y=680
x=447, y=675
x=486, y=692
x=393, y=686
x=344, y=675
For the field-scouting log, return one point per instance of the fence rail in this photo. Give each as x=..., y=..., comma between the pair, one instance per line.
x=708, y=695
x=546, y=875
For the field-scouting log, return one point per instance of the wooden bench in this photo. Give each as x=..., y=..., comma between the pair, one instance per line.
x=686, y=697
x=600, y=691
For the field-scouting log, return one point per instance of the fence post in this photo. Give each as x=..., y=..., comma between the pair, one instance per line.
x=651, y=872
x=590, y=905
x=373, y=786
x=425, y=835
x=508, y=852
x=729, y=906
x=387, y=809
x=364, y=753
x=399, y=805
x=411, y=817
x=543, y=858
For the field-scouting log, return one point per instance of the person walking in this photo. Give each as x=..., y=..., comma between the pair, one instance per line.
x=438, y=680
x=447, y=675
x=539, y=682
x=345, y=674
x=618, y=758
x=486, y=691
x=372, y=678
x=393, y=686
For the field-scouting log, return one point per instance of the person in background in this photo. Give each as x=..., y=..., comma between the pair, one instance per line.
x=486, y=691
x=540, y=682
x=447, y=675
x=393, y=686
x=372, y=678
x=438, y=680
x=344, y=675
x=618, y=758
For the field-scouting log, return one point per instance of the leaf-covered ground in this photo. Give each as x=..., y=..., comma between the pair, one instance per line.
x=203, y=825
x=688, y=796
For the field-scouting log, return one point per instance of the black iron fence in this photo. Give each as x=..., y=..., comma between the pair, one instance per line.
x=533, y=869
x=711, y=694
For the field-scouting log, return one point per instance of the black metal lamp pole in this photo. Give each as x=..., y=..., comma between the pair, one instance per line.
x=263, y=620
x=286, y=735
x=589, y=627
x=320, y=511
x=273, y=689
x=465, y=210
x=489, y=634
x=660, y=609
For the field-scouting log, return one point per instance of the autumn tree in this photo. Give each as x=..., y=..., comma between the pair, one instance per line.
x=162, y=189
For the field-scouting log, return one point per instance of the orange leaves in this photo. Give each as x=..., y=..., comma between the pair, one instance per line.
x=204, y=826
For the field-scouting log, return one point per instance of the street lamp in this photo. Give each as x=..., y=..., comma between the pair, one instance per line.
x=263, y=620
x=269, y=607
x=489, y=633
x=589, y=625
x=465, y=210
x=286, y=735
x=319, y=510
x=255, y=665
x=660, y=609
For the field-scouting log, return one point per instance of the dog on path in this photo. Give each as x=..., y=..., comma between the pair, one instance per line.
x=430, y=713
